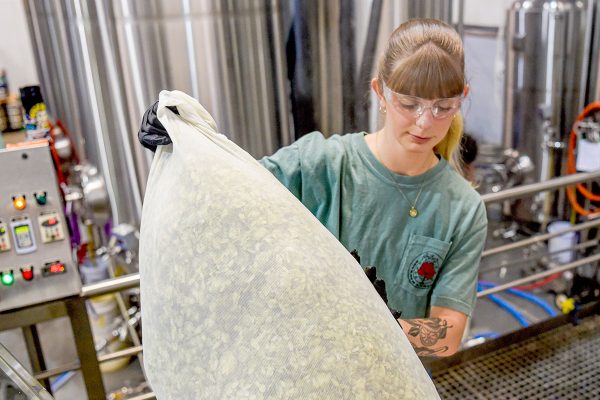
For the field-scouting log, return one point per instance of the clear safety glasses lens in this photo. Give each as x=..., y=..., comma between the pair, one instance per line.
x=416, y=106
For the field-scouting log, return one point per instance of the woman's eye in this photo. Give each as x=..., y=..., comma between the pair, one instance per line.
x=408, y=105
x=445, y=106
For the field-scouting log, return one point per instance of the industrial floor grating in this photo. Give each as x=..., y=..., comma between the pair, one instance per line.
x=563, y=363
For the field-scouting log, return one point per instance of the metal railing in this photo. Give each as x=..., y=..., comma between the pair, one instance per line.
x=540, y=238
x=556, y=183
x=111, y=285
x=535, y=188
x=132, y=280
x=540, y=275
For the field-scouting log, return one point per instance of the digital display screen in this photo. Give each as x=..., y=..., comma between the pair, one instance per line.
x=23, y=236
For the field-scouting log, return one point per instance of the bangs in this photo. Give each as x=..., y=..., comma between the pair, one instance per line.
x=429, y=73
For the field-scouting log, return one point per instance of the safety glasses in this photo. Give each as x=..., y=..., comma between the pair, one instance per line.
x=415, y=106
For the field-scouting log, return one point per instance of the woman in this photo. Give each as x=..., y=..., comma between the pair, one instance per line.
x=396, y=195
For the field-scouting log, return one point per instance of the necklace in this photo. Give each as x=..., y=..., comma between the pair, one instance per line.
x=413, y=212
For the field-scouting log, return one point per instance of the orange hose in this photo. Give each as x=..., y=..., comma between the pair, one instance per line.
x=571, y=168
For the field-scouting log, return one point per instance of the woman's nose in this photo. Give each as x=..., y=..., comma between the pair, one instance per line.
x=425, y=119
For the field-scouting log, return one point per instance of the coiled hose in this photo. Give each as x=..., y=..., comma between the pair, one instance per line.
x=571, y=168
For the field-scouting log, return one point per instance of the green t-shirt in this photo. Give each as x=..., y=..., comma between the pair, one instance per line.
x=430, y=260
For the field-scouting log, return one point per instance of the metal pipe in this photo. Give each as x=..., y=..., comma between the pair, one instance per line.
x=286, y=136
x=461, y=19
x=322, y=49
x=111, y=285
x=252, y=94
x=120, y=123
x=587, y=51
x=90, y=70
x=266, y=90
x=534, y=188
x=539, y=238
x=539, y=276
x=234, y=47
x=579, y=247
x=145, y=396
x=191, y=47
x=133, y=280
x=130, y=351
x=221, y=38
x=49, y=373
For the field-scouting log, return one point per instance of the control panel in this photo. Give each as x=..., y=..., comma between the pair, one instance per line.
x=36, y=261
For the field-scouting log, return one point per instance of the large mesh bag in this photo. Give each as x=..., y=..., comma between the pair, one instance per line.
x=245, y=294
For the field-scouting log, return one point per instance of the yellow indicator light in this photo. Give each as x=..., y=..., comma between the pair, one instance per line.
x=7, y=278
x=19, y=202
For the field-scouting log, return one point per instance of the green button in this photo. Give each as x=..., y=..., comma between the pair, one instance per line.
x=41, y=198
x=7, y=278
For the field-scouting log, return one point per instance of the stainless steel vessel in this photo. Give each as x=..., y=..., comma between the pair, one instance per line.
x=102, y=63
x=438, y=9
x=593, y=89
x=545, y=59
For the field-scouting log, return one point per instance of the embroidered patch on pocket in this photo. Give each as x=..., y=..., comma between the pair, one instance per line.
x=423, y=270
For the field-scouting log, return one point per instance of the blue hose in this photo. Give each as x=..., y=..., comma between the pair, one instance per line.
x=510, y=309
x=61, y=380
x=525, y=295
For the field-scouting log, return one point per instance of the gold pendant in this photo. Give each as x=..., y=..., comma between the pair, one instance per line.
x=413, y=212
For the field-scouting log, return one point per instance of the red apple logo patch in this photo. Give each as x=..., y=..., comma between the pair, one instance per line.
x=427, y=270
x=424, y=269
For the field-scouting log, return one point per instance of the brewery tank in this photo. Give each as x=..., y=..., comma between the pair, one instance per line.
x=102, y=63
x=545, y=48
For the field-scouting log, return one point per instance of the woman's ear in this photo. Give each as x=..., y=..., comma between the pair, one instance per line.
x=377, y=89
x=466, y=90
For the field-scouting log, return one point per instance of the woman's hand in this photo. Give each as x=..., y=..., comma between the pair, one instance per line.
x=152, y=133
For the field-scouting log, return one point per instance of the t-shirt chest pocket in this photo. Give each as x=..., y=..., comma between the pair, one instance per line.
x=421, y=263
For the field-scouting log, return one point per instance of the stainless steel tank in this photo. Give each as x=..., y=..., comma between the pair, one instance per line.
x=545, y=47
x=438, y=9
x=593, y=90
x=102, y=63
x=227, y=54
x=74, y=44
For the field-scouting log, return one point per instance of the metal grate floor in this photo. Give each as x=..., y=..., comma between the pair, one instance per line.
x=563, y=363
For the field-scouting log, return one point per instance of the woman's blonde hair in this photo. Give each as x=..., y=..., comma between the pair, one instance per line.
x=425, y=58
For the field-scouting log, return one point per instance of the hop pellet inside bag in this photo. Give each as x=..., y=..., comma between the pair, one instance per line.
x=245, y=294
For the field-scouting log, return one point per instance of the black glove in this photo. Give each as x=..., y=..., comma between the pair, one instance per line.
x=378, y=284
x=152, y=133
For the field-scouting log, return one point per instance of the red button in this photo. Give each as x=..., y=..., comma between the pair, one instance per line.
x=57, y=268
x=27, y=273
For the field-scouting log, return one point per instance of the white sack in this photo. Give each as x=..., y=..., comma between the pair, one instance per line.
x=245, y=294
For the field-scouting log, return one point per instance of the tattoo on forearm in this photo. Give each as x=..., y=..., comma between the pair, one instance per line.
x=427, y=352
x=429, y=331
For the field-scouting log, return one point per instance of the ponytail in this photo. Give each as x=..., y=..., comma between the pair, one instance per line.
x=449, y=147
